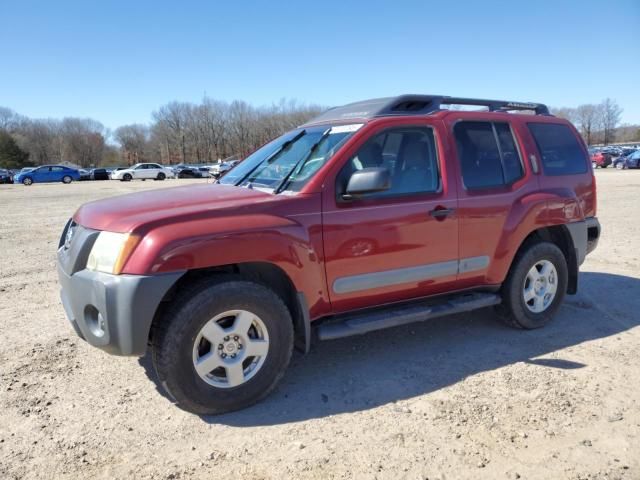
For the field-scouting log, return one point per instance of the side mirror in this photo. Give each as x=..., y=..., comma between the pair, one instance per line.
x=367, y=180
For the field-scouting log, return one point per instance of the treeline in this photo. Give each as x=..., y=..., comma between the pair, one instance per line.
x=25, y=141
x=180, y=132
x=208, y=131
x=600, y=123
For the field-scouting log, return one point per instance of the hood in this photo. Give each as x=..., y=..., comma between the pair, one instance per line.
x=127, y=213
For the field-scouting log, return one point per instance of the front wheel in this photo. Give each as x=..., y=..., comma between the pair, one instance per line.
x=27, y=181
x=535, y=286
x=161, y=176
x=127, y=177
x=66, y=179
x=222, y=346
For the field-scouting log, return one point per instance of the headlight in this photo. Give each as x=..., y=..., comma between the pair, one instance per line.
x=111, y=251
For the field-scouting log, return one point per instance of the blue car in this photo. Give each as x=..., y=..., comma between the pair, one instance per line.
x=47, y=173
x=632, y=160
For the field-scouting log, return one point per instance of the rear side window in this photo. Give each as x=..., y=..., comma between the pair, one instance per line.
x=561, y=153
x=488, y=154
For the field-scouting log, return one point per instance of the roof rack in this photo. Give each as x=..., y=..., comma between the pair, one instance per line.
x=419, y=105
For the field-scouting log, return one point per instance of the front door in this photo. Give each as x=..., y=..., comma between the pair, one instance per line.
x=398, y=244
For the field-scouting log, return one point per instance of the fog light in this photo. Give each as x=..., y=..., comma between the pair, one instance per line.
x=93, y=319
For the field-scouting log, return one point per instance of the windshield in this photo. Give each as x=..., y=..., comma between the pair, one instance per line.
x=290, y=161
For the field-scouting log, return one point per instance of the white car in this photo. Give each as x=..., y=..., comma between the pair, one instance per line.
x=221, y=168
x=143, y=171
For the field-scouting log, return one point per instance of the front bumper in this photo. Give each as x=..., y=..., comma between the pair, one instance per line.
x=111, y=312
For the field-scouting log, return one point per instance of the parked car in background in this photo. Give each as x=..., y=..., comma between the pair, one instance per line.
x=221, y=168
x=613, y=151
x=6, y=176
x=47, y=173
x=632, y=160
x=84, y=174
x=99, y=174
x=599, y=158
x=187, y=171
x=143, y=171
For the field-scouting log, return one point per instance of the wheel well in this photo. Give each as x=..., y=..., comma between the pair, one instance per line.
x=263, y=273
x=560, y=236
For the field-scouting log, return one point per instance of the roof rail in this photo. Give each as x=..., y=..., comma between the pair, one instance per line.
x=419, y=105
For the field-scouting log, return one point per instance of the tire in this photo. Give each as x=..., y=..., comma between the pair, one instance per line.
x=67, y=179
x=161, y=176
x=176, y=344
x=515, y=311
x=127, y=177
x=27, y=181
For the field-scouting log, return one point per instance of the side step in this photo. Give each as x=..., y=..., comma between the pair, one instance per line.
x=360, y=323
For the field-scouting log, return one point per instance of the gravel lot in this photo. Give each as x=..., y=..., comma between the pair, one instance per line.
x=458, y=397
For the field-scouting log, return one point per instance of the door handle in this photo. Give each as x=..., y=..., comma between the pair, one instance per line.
x=440, y=212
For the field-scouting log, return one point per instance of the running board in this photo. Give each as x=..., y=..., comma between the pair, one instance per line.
x=360, y=323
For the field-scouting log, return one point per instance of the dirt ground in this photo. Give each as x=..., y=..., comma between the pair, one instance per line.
x=457, y=397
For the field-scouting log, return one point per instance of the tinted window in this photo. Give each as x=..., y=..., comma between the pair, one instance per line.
x=511, y=162
x=559, y=148
x=488, y=154
x=408, y=153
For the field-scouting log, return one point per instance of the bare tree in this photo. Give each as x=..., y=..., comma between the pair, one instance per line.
x=587, y=117
x=567, y=113
x=134, y=142
x=610, y=113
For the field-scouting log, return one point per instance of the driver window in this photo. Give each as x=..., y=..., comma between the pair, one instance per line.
x=408, y=153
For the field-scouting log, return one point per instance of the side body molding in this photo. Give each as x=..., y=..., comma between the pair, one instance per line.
x=366, y=281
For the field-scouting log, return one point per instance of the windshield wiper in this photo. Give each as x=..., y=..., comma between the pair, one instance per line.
x=301, y=163
x=271, y=158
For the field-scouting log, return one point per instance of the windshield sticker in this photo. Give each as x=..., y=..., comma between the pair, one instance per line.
x=346, y=128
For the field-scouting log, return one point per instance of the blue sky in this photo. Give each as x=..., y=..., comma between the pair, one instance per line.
x=117, y=61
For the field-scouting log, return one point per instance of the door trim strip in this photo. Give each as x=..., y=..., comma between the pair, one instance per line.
x=386, y=278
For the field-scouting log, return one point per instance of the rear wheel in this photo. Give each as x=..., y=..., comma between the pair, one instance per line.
x=66, y=179
x=127, y=177
x=27, y=181
x=223, y=346
x=535, y=286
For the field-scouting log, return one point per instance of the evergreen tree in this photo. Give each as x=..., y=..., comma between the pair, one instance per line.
x=11, y=155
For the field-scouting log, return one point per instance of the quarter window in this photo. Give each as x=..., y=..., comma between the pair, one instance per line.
x=559, y=148
x=488, y=154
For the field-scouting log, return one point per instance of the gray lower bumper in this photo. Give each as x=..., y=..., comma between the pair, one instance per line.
x=113, y=312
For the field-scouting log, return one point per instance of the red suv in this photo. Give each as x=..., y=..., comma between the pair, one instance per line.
x=373, y=215
x=600, y=159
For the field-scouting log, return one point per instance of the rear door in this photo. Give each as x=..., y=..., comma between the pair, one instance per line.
x=56, y=174
x=392, y=246
x=140, y=171
x=493, y=177
x=153, y=170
